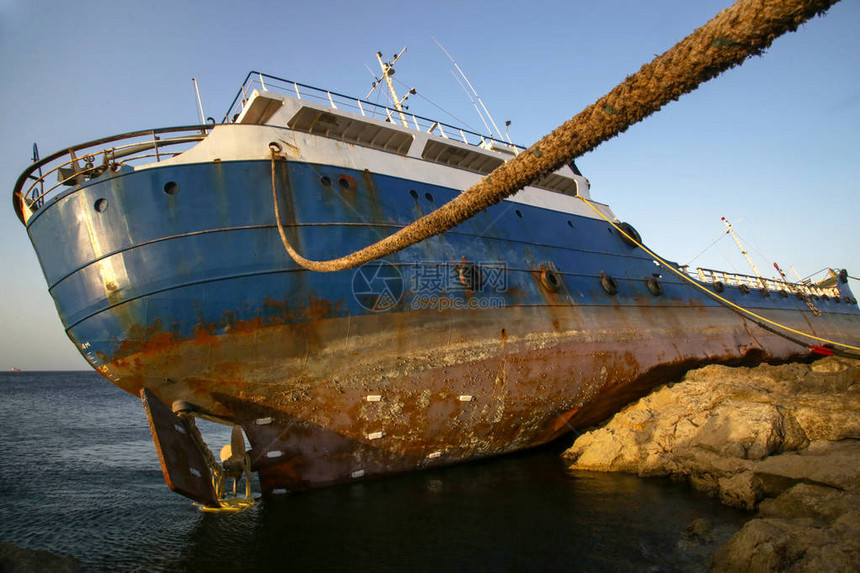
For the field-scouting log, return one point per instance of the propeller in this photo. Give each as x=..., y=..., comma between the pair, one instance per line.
x=233, y=454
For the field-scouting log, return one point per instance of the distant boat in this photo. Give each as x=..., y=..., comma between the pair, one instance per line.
x=16, y=370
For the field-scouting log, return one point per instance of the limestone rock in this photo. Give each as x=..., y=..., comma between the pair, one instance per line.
x=699, y=532
x=785, y=439
x=824, y=504
x=834, y=464
x=807, y=528
x=780, y=545
x=721, y=421
x=742, y=490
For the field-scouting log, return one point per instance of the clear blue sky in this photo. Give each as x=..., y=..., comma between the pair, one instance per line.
x=774, y=143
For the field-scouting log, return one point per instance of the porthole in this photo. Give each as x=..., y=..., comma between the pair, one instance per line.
x=344, y=183
x=325, y=181
x=519, y=214
x=429, y=197
x=654, y=286
x=550, y=280
x=570, y=224
x=100, y=205
x=414, y=193
x=744, y=288
x=171, y=188
x=719, y=286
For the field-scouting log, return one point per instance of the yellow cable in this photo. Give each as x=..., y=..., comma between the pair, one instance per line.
x=713, y=294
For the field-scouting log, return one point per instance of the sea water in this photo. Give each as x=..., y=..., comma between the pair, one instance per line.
x=79, y=477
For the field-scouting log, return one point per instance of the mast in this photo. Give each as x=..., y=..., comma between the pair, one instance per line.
x=387, y=72
x=741, y=247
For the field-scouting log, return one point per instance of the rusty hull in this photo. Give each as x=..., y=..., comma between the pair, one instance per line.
x=339, y=399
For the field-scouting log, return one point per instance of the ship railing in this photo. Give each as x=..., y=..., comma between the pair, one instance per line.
x=334, y=100
x=75, y=165
x=773, y=285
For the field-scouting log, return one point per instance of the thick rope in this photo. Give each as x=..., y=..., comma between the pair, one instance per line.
x=745, y=29
x=718, y=298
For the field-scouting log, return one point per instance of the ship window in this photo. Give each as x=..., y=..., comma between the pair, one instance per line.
x=429, y=197
x=100, y=205
x=325, y=181
x=171, y=188
x=414, y=193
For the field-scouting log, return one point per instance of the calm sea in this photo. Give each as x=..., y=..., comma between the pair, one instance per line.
x=79, y=476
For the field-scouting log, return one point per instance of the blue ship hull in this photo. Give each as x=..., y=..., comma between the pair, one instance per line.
x=175, y=279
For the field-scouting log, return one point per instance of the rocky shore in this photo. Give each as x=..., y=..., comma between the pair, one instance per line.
x=783, y=441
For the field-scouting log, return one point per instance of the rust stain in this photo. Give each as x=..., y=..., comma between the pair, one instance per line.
x=349, y=183
x=319, y=308
x=154, y=339
x=150, y=339
x=244, y=326
x=526, y=383
x=372, y=201
x=288, y=206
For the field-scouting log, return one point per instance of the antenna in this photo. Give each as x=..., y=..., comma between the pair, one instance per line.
x=797, y=274
x=199, y=102
x=471, y=99
x=498, y=131
x=36, y=160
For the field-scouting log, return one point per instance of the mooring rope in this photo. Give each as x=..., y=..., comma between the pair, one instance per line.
x=745, y=29
x=722, y=300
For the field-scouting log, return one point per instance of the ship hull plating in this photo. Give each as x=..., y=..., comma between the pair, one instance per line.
x=499, y=335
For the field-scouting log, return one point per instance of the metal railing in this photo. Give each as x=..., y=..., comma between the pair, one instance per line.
x=75, y=165
x=773, y=285
x=334, y=100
